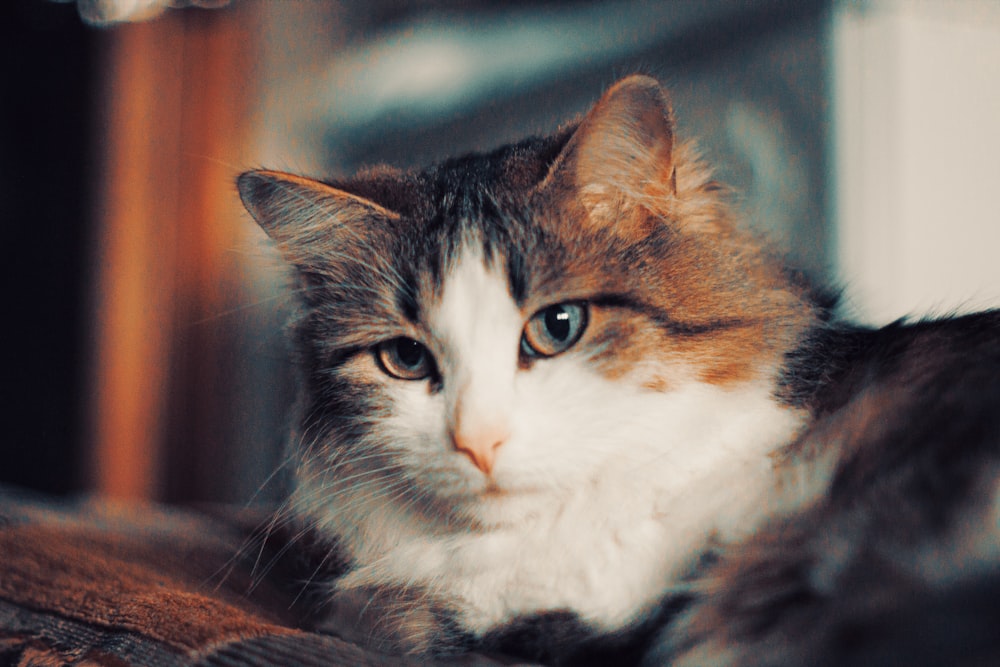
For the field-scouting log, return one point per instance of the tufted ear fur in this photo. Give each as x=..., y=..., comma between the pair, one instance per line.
x=620, y=154
x=312, y=223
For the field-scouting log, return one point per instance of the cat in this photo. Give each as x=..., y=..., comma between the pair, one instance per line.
x=557, y=403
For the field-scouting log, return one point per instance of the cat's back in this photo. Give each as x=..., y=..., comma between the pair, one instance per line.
x=896, y=551
x=912, y=407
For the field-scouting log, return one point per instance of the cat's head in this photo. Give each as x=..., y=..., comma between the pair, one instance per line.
x=513, y=326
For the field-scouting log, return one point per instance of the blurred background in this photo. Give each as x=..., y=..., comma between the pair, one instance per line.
x=144, y=356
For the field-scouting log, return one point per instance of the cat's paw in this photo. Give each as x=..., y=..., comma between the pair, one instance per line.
x=391, y=620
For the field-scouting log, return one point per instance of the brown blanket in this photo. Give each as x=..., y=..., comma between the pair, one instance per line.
x=103, y=584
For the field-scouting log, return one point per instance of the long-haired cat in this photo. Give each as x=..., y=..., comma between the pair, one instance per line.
x=556, y=403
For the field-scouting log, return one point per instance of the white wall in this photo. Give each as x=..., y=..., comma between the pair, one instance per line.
x=917, y=116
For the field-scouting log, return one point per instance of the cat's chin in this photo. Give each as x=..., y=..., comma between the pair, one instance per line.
x=496, y=506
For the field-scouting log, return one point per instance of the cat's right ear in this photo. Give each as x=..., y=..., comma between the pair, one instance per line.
x=620, y=158
x=310, y=221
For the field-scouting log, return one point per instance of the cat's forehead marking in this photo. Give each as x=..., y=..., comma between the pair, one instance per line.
x=475, y=303
x=472, y=223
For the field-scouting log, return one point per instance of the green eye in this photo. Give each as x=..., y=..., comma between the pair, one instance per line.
x=554, y=329
x=405, y=358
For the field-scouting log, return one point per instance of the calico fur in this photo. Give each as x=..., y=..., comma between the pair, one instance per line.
x=716, y=471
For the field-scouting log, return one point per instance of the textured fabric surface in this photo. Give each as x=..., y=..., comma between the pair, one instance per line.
x=104, y=584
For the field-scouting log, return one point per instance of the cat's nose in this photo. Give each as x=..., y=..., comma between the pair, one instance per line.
x=480, y=444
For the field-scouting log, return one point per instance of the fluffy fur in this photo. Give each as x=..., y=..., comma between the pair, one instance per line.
x=708, y=432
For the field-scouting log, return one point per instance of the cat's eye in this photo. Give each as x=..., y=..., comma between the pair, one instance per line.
x=554, y=329
x=405, y=358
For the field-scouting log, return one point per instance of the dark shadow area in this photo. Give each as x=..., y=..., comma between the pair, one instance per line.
x=46, y=79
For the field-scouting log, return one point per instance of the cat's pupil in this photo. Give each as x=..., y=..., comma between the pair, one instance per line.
x=409, y=352
x=557, y=323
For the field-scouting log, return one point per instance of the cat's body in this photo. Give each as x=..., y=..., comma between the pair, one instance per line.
x=551, y=391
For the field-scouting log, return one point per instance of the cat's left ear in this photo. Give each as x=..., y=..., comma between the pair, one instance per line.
x=621, y=154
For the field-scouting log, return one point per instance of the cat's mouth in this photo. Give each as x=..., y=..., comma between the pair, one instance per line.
x=492, y=490
x=495, y=491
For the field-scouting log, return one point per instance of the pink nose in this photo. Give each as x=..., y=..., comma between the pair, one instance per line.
x=480, y=445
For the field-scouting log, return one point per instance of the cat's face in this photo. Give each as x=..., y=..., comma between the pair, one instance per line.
x=495, y=334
